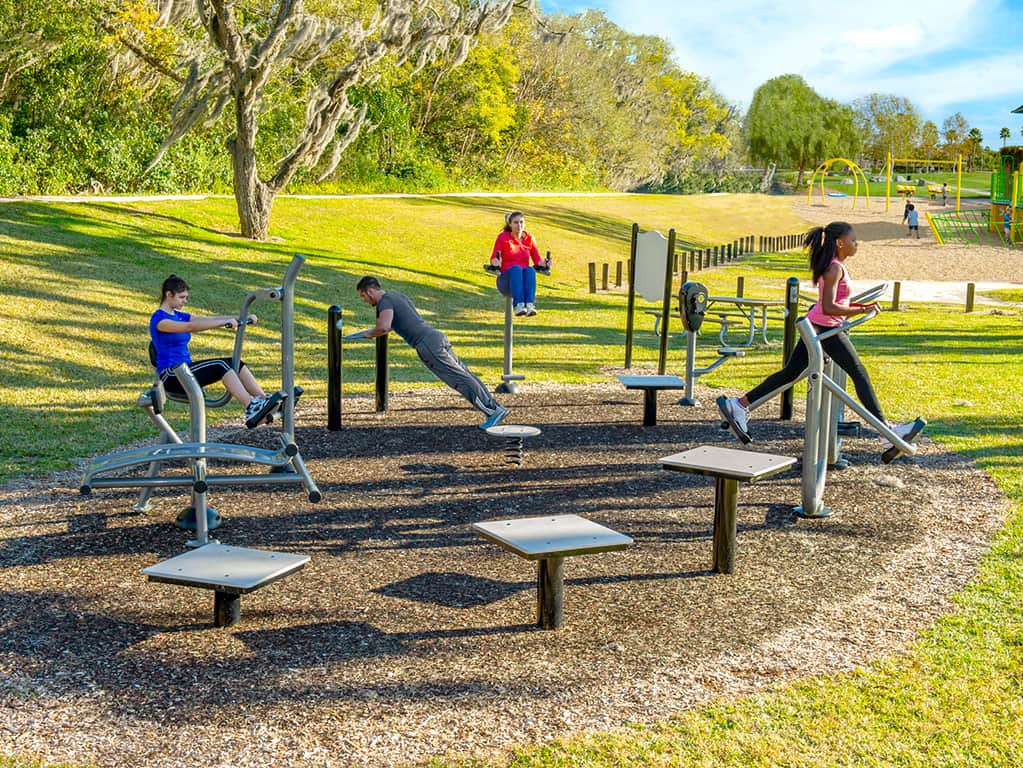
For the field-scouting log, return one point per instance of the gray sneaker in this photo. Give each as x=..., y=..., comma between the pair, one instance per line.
x=530, y=309
x=495, y=418
x=736, y=416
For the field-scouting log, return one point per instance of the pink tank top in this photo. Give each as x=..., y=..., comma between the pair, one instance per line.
x=842, y=292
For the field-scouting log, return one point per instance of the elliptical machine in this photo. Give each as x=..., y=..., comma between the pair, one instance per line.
x=825, y=399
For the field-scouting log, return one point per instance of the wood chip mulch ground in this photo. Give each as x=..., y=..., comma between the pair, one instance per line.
x=407, y=636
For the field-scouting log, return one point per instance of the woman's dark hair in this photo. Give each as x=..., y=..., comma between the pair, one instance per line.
x=821, y=243
x=509, y=217
x=172, y=284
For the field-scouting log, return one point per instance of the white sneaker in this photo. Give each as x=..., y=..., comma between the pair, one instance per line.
x=530, y=309
x=257, y=411
x=520, y=309
x=736, y=416
x=907, y=432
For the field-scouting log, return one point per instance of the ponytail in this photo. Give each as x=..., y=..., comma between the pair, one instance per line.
x=172, y=284
x=821, y=242
x=508, y=218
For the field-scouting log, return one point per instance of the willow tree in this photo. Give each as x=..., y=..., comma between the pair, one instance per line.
x=234, y=57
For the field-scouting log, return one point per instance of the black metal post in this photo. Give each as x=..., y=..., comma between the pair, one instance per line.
x=632, y=297
x=789, y=339
x=334, y=374
x=382, y=373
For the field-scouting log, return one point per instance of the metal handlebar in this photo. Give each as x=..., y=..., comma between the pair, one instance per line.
x=847, y=325
x=869, y=295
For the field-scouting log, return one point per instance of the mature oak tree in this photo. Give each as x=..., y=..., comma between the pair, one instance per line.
x=242, y=54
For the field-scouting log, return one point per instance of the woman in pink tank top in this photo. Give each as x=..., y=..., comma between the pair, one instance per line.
x=829, y=247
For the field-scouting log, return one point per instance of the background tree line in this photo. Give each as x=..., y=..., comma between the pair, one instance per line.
x=92, y=92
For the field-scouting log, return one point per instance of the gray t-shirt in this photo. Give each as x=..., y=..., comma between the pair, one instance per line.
x=407, y=321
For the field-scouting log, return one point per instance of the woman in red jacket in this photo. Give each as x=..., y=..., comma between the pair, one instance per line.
x=517, y=256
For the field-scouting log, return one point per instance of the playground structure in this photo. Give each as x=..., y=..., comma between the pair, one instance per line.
x=857, y=174
x=957, y=164
x=1007, y=193
x=978, y=226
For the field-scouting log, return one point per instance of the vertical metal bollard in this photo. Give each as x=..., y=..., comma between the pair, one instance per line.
x=896, y=290
x=334, y=374
x=593, y=276
x=740, y=285
x=618, y=274
x=382, y=374
x=789, y=339
x=970, y=291
x=603, y=276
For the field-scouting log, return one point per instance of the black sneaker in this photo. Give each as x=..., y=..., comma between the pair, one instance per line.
x=257, y=411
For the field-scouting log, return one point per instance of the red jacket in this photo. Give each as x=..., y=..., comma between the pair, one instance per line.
x=516, y=253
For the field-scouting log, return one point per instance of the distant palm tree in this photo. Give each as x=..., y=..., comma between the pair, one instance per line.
x=1004, y=134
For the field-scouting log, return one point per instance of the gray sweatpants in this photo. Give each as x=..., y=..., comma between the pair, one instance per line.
x=436, y=353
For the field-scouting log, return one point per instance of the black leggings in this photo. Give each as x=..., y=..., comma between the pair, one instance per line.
x=206, y=372
x=840, y=349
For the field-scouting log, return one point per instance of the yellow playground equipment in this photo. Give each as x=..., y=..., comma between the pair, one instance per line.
x=909, y=189
x=857, y=174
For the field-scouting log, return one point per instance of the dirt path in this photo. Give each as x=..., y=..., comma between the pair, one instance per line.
x=886, y=253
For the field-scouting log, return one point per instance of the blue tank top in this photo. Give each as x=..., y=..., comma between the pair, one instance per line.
x=171, y=348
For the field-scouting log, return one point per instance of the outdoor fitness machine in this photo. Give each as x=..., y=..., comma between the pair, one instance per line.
x=825, y=397
x=285, y=463
x=692, y=299
x=509, y=379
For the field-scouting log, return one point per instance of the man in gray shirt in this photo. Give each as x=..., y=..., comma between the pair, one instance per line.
x=395, y=311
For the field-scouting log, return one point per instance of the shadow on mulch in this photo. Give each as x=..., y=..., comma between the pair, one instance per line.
x=405, y=617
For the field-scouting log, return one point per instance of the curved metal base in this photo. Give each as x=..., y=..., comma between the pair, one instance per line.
x=840, y=463
x=507, y=388
x=692, y=402
x=822, y=512
x=186, y=520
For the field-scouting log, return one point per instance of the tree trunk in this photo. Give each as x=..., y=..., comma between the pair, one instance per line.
x=254, y=197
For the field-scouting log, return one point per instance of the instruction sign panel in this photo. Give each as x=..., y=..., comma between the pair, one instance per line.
x=651, y=263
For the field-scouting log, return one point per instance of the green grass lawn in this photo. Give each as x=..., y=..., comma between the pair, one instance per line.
x=79, y=282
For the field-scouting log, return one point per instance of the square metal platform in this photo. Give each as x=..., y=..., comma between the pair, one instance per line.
x=236, y=570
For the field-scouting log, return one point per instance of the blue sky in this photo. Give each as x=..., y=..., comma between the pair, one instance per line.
x=946, y=57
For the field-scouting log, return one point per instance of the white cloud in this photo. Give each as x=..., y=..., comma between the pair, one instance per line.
x=841, y=48
x=945, y=55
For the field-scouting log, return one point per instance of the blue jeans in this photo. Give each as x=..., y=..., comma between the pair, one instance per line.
x=519, y=283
